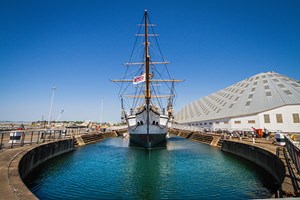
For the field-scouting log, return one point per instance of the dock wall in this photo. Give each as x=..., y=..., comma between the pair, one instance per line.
x=18, y=162
x=26, y=159
x=42, y=153
x=263, y=158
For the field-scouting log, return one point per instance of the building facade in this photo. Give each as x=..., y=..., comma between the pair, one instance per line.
x=267, y=100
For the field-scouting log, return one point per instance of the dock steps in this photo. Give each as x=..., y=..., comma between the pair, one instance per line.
x=93, y=138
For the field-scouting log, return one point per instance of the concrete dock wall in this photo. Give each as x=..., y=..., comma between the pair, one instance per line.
x=42, y=153
x=259, y=156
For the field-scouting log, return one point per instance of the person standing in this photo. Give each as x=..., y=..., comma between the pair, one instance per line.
x=267, y=133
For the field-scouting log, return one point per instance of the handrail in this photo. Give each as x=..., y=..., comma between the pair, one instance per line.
x=294, y=151
x=18, y=138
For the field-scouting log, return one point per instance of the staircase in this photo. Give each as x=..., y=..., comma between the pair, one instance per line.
x=93, y=138
x=200, y=137
x=220, y=142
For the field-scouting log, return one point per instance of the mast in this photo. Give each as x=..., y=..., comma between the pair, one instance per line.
x=147, y=95
x=147, y=59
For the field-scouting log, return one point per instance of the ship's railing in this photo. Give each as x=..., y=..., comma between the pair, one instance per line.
x=19, y=138
x=293, y=148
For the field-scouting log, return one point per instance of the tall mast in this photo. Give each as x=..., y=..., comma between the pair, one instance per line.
x=147, y=95
x=147, y=56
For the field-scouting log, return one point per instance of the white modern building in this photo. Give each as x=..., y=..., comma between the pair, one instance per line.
x=266, y=100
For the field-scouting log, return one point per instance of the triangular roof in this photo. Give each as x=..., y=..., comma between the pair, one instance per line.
x=262, y=92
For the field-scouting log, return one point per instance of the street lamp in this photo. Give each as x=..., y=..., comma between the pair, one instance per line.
x=49, y=119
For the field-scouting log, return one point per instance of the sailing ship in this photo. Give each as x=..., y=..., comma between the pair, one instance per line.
x=148, y=113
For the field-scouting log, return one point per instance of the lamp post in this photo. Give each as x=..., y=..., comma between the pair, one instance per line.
x=101, y=111
x=49, y=119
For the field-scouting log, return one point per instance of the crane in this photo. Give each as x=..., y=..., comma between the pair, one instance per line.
x=59, y=115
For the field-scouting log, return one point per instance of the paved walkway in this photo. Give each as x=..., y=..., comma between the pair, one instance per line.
x=11, y=185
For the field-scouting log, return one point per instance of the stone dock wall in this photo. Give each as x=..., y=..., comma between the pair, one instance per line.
x=263, y=158
x=258, y=155
x=17, y=164
x=40, y=154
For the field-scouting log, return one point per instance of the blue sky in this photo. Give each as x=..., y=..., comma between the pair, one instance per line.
x=77, y=46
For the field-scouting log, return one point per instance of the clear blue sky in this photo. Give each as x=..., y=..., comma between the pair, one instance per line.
x=78, y=45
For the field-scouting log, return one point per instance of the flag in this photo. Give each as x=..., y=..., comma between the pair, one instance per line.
x=139, y=79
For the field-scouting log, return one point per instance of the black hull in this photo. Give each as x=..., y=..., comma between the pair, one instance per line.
x=148, y=140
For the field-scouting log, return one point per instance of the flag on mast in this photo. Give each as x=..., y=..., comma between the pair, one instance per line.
x=139, y=79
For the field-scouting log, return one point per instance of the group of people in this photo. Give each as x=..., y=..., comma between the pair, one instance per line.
x=255, y=133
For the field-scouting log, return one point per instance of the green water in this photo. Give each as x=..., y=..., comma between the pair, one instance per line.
x=183, y=170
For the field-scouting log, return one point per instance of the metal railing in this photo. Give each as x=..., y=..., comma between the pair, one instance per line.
x=294, y=151
x=19, y=138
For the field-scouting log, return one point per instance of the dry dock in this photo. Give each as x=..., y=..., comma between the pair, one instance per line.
x=12, y=186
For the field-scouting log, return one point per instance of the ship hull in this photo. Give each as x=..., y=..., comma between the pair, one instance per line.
x=148, y=140
x=155, y=136
x=147, y=129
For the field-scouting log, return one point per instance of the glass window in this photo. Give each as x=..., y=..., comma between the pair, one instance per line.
x=251, y=121
x=226, y=122
x=279, y=118
x=296, y=118
x=237, y=122
x=267, y=118
x=287, y=92
x=294, y=84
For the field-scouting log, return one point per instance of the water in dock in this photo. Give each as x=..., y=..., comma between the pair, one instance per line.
x=182, y=170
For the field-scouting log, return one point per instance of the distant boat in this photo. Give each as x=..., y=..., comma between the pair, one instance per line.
x=149, y=112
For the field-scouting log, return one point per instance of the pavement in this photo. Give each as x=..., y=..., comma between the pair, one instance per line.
x=11, y=184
